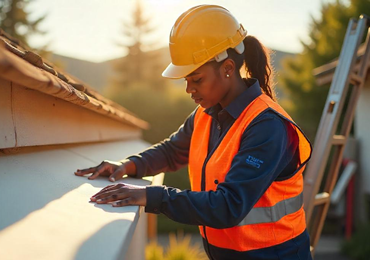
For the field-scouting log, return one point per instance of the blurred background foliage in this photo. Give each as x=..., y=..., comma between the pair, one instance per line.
x=326, y=37
x=179, y=248
x=358, y=246
x=15, y=21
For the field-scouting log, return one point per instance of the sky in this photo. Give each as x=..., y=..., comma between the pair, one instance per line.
x=92, y=29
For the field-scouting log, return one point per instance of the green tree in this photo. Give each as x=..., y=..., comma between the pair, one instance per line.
x=140, y=64
x=15, y=21
x=325, y=42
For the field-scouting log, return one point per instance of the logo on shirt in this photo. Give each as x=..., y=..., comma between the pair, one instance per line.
x=254, y=161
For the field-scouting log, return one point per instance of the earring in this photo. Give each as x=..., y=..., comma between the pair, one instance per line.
x=227, y=76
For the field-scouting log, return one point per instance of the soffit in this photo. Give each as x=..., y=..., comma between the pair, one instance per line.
x=27, y=68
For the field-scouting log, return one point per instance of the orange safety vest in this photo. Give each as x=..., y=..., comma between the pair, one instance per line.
x=278, y=215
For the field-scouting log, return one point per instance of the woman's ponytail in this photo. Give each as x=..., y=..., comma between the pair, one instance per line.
x=257, y=64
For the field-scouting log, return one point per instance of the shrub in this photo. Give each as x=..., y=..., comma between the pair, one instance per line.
x=179, y=248
x=154, y=252
x=358, y=246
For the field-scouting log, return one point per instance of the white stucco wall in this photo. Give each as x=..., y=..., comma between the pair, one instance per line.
x=362, y=132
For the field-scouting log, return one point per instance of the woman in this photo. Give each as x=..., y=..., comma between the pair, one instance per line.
x=245, y=154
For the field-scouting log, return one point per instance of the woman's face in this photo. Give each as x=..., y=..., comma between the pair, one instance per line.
x=206, y=86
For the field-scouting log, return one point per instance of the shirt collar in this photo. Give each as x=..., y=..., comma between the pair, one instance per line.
x=237, y=106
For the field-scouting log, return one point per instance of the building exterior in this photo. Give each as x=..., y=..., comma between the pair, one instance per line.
x=51, y=125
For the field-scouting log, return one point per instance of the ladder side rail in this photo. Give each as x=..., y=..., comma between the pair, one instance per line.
x=315, y=170
x=318, y=223
x=349, y=115
x=328, y=187
x=316, y=167
x=315, y=236
x=319, y=137
x=347, y=122
x=364, y=65
x=327, y=102
x=338, y=141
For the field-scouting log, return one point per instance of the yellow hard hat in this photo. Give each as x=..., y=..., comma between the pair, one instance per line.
x=201, y=34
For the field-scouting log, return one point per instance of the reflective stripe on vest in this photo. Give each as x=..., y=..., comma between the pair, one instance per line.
x=274, y=213
x=278, y=215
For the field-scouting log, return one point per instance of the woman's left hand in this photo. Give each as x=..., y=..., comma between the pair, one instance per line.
x=121, y=194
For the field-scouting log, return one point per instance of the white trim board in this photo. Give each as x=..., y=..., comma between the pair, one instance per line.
x=45, y=210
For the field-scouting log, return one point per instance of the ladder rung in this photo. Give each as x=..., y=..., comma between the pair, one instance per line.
x=356, y=79
x=339, y=140
x=322, y=198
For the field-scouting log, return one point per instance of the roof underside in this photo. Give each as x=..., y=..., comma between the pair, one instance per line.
x=24, y=67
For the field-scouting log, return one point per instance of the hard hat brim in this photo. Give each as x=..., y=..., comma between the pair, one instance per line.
x=178, y=72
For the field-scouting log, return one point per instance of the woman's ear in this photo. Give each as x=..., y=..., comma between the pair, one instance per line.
x=227, y=68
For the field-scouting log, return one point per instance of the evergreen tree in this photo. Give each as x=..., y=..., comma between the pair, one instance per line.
x=14, y=20
x=326, y=39
x=139, y=66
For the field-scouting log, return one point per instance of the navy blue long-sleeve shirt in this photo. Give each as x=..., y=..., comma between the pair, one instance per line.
x=269, y=138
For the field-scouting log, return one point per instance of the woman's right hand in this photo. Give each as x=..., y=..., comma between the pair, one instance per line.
x=111, y=169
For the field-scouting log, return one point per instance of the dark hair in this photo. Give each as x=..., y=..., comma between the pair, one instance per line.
x=256, y=59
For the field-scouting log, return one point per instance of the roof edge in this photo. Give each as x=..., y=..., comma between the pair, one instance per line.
x=28, y=69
